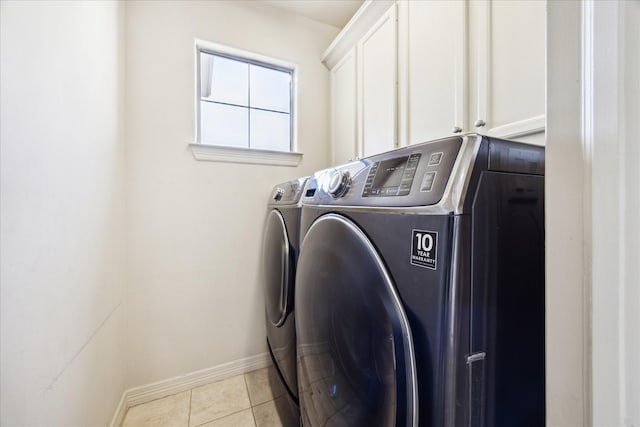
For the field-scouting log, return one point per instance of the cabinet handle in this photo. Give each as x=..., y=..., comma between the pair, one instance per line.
x=479, y=123
x=457, y=129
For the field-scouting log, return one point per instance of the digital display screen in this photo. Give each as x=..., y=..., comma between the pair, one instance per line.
x=389, y=173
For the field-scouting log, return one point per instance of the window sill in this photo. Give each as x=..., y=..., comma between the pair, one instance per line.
x=214, y=153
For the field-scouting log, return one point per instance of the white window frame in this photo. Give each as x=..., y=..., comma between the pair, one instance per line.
x=220, y=153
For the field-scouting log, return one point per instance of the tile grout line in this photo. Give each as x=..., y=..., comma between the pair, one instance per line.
x=233, y=413
x=253, y=414
x=190, y=400
x=219, y=418
x=189, y=413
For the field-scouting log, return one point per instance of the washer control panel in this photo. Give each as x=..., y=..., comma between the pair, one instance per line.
x=409, y=176
x=288, y=193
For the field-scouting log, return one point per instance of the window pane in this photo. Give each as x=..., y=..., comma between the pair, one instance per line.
x=270, y=131
x=223, y=124
x=270, y=89
x=228, y=80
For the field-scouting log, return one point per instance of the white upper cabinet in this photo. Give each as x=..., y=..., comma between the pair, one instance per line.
x=507, y=67
x=343, y=109
x=363, y=65
x=377, y=72
x=431, y=67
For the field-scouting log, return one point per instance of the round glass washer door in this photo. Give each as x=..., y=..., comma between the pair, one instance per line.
x=356, y=363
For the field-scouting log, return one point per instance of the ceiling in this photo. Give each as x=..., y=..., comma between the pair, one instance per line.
x=333, y=12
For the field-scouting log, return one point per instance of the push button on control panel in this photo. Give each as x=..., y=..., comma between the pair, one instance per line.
x=428, y=180
x=409, y=173
x=435, y=159
x=369, y=182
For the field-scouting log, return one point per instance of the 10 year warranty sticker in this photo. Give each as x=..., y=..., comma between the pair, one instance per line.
x=424, y=246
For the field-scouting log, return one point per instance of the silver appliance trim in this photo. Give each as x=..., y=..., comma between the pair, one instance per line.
x=284, y=285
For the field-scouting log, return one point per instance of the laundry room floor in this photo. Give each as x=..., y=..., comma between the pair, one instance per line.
x=247, y=400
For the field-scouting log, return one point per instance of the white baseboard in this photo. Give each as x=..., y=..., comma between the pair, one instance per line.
x=146, y=393
x=121, y=410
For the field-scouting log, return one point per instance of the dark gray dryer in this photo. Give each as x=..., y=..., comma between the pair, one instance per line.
x=279, y=256
x=420, y=288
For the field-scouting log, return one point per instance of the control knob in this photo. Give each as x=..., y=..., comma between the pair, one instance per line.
x=278, y=193
x=339, y=183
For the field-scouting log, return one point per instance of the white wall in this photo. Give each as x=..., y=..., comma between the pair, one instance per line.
x=612, y=127
x=593, y=214
x=630, y=36
x=566, y=222
x=62, y=213
x=195, y=228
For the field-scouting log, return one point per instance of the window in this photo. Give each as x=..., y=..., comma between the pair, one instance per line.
x=244, y=101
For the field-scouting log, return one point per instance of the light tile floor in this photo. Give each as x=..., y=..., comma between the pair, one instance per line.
x=256, y=399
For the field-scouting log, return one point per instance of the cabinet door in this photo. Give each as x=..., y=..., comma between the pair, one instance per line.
x=508, y=62
x=343, y=109
x=432, y=68
x=377, y=107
